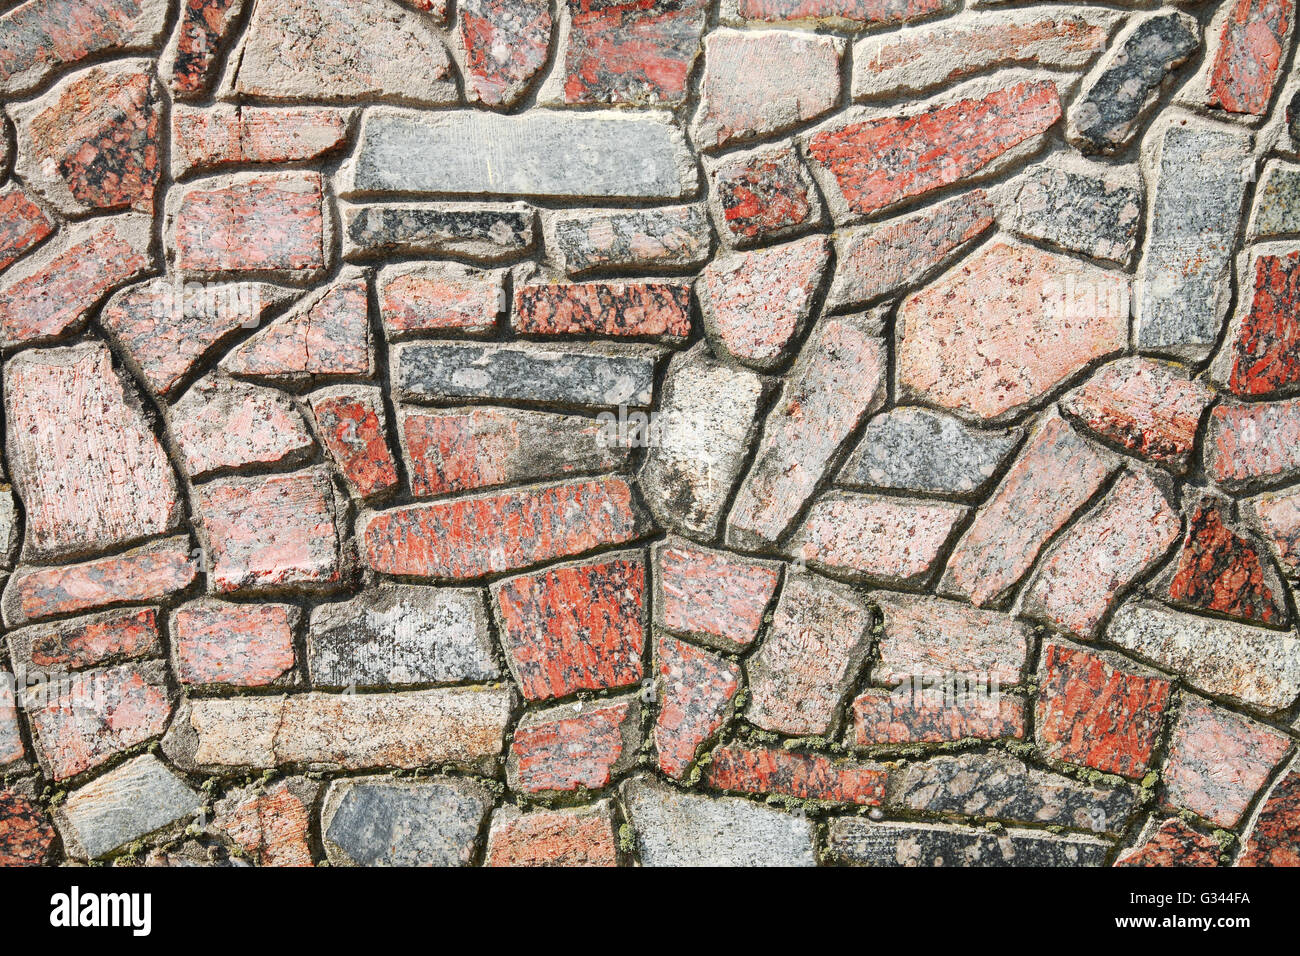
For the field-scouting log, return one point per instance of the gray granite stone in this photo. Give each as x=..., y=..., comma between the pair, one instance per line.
x=681, y=829
x=1089, y=209
x=1277, y=202
x=401, y=635
x=585, y=242
x=929, y=452
x=864, y=843
x=482, y=232
x=127, y=803
x=379, y=821
x=536, y=153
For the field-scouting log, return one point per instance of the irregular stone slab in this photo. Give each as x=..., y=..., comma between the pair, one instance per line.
x=482, y=232
x=507, y=531
x=40, y=36
x=865, y=843
x=764, y=194
x=351, y=422
x=1218, y=761
x=928, y=452
x=1271, y=840
x=1083, y=572
x=82, y=642
x=819, y=638
x=669, y=238
x=537, y=153
x=1278, y=518
x=52, y=290
x=679, y=829
x=1256, y=443
x=341, y=50
x=804, y=776
x=1171, y=843
x=147, y=573
x=466, y=448
x=696, y=691
x=241, y=645
x=226, y=135
x=873, y=261
x=890, y=541
x=1277, y=201
x=1258, y=358
x=12, y=748
x=971, y=341
x=271, y=825
x=1184, y=281
x=922, y=58
x=271, y=532
x=935, y=715
x=222, y=425
x=600, y=376
x=576, y=627
x=81, y=723
x=91, y=144
x=1118, y=95
x=1255, y=668
x=879, y=161
x=439, y=297
x=22, y=222
x=167, y=328
x=708, y=417
x=582, y=836
x=25, y=832
x=758, y=83
x=1088, y=208
x=924, y=636
x=191, y=62
x=838, y=380
x=756, y=304
x=341, y=731
x=634, y=54
x=129, y=802
x=714, y=596
x=401, y=635
x=998, y=787
x=503, y=45
x=1098, y=710
x=655, y=310
x=1253, y=41
x=1148, y=408
x=113, y=485
x=378, y=821
x=852, y=14
x=571, y=747
x=1055, y=474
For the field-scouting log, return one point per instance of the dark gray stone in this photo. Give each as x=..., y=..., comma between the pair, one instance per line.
x=379, y=821
x=999, y=787
x=916, y=449
x=485, y=233
x=1091, y=210
x=401, y=635
x=674, y=238
x=551, y=153
x=129, y=802
x=1125, y=85
x=1184, y=283
x=450, y=371
x=862, y=842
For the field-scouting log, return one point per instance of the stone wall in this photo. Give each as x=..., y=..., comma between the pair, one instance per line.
x=649, y=432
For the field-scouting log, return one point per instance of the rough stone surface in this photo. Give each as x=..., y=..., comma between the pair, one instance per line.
x=1172, y=843
x=656, y=310
x=863, y=843
x=222, y=425
x=504, y=44
x=232, y=136
x=583, y=836
x=244, y=645
x=205, y=27
x=127, y=803
x=774, y=770
x=1272, y=838
x=1278, y=518
x=271, y=825
x=22, y=223
x=764, y=194
x=582, y=746
x=1253, y=40
x=928, y=636
x=883, y=717
x=80, y=642
x=1277, y=201
x=667, y=238
x=438, y=298
x=1259, y=357
x=373, y=821
x=25, y=832
x=696, y=690
x=351, y=421
x=1088, y=209
x=710, y=595
x=1253, y=444
x=481, y=233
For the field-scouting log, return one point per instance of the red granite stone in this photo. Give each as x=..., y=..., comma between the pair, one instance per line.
x=857, y=11
x=270, y=532
x=148, y=573
x=928, y=716
x=713, y=595
x=879, y=162
x=505, y=43
x=1274, y=840
x=1278, y=518
x=324, y=336
x=1091, y=712
x=440, y=297
x=490, y=533
x=773, y=770
x=576, y=627
x=1264, y=348
x=765, y=193
x=209, y=138
x=205, y=25
x=631, y=51
x=22, y=223
x=647, y=309
x=695, y=693
x=221, y=425
x=11, y=742
x=1148, y=408
x=273, y=826
x=351, y=423
x=252, y=222
x=84, y=642
x=1218, y=761
x=1254, y=443
x=583, y=836
x=574, y=746
x=1252, y=45
x=25, y=832
x=1219, y=570
x=1173, y=843
x=240, y=645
